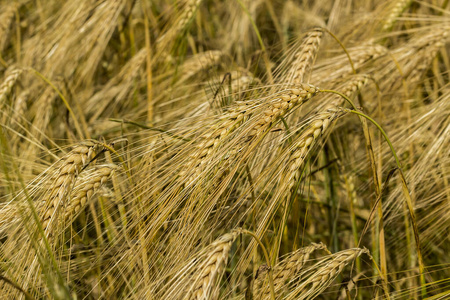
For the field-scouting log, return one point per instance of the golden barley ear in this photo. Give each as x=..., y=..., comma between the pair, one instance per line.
x=278, y=105
x=69, y=168
x=20, y=107
x=318, y=125
x=83, y=192
x=8, y=83
x=396, y=11
x=282, y=103
x=284, y=271
x=316, y=279
x=211, y=270
x=305, y=56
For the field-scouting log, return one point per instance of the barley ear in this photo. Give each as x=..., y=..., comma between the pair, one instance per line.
x=281, y=104
x=85, y=191
x=211, y=270
x=285, y=270
x=8, y=83
x=304, y=58
x=70, y=166
x=322, y=274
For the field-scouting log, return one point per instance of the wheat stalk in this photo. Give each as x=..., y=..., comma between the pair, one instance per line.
x=434, y=42
x=49, y=205
x=318, y=126
x=118, y=88
x=42, y=108
x=352, y=85
x=278, y=105
x=19, y=107
x=189, y=9
x=199, y=62
x=10, y=215
x=228, y=122
x=281, y=104
x=338, y=67
x=188, y=13
x=367, y=52
x=415, y=58
x=240, y=82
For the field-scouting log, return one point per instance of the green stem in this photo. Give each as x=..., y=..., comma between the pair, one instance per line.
x=382, y=132
x=16, y=286
x=263, y=48
x=331, y=200
x=343, y=47
x=266, y=256
x=404, y=185
x=405, y=192
x=261, y=43
x=342, y=95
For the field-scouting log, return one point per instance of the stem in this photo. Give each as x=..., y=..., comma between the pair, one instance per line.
x=405, y=192
x=342, y=95
x=343, y=47
x=4, y=148
x=331, y=200
x=16, y=286
x=266, y=256
x=261, y=43
x=382, y=132
x=148, y=67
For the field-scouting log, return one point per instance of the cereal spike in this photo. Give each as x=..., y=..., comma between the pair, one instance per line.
x=70, y=167
x=211, y=270
x=8, y=83
x=286, y=269
x=87, y=189
x=282, y=103
x=320, y=278
x=305, y=57
x=399, y=7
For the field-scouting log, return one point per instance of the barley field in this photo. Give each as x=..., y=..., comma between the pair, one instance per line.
x=239, y=149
